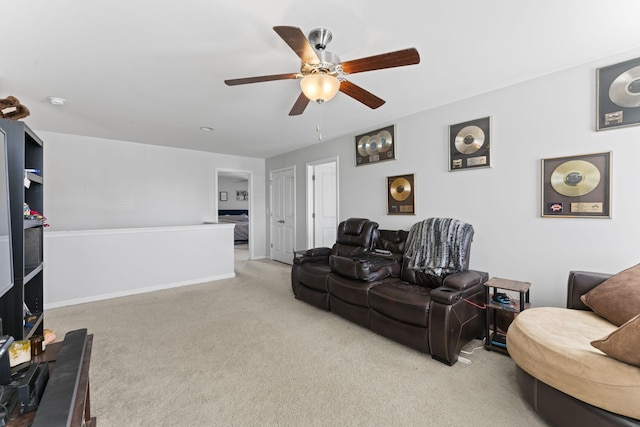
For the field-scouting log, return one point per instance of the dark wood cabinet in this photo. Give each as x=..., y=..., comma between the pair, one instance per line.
x=66, y=398
x=26, y=185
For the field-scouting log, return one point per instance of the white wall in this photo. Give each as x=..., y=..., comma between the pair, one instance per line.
x=231, y=185
x=95, y=183
x=551, y=116
x=83, y=266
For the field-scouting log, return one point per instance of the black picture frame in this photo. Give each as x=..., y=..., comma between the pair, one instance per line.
x=577, y=186
x=224, y=196
x=470, y=144
x=401, y=195
x=618, y=95
x=376, y=146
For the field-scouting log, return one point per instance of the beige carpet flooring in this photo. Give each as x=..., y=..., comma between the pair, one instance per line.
x=244, y=352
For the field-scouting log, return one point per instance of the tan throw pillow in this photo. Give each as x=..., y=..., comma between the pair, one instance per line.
x=622, y=344
x=617, y=299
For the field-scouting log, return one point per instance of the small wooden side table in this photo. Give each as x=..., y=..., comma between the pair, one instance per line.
x=494, y=338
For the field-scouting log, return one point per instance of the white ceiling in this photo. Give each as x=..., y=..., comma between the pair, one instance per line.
x=153, y=71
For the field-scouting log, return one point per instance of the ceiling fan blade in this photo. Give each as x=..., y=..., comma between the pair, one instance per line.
x=398, y=58
x=299, y=106
x=295, y=38
x=359, y=94
x=246, y=80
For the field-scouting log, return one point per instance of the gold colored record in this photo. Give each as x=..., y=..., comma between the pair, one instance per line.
x=386, y=141
x=362, y=146
x=625, y=89
x=575, y=178
x=469, y=140
x=373, y=147
x=400, y=189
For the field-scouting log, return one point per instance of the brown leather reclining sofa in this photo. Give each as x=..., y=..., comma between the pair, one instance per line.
x=436, y=315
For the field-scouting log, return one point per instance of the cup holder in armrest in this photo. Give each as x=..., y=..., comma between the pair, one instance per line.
x=445, y=295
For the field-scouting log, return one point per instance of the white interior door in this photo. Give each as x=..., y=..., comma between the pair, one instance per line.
x=283, y=215
x=325, y=205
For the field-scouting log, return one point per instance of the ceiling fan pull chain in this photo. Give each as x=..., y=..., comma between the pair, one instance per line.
x=320, y=109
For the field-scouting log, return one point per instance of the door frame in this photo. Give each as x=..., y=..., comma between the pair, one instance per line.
x=311, y=167
x=250, y=204
x=295, y=207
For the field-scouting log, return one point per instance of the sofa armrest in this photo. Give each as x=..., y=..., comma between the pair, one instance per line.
x=459, y=285
x=581, y=282
x=455, y=314
x=312, y=255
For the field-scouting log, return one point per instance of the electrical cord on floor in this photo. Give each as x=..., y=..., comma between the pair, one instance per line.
x=464, y=359
x=471, y=352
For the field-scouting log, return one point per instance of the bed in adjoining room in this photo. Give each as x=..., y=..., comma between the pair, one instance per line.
x=239, y=217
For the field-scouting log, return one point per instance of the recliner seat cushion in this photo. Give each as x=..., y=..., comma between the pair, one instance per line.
x=314, y=275
x=416, y=337
x=401, y=301
x=354, y=313
x=352, y=291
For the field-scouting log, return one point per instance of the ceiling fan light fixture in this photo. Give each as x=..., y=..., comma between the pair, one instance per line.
x=320, y=87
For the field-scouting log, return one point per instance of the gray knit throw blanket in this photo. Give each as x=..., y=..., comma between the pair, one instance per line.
x=436, y=245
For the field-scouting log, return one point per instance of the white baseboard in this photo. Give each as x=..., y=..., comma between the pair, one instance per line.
x=101, y=297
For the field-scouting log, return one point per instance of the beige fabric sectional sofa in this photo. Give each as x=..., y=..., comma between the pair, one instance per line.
x=575, y=365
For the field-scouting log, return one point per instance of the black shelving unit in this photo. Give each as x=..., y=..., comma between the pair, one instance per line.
x=25, y=151
x=496, y=339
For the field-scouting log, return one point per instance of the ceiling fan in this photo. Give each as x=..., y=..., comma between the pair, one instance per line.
x=322, y=73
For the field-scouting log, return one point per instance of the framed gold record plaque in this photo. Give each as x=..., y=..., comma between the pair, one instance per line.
x=618, y=95
x=376, y=146
x=577, y=186
x=401, y=195
x=470, y=144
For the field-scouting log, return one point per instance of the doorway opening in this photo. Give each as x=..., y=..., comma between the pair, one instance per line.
x=233, y=200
